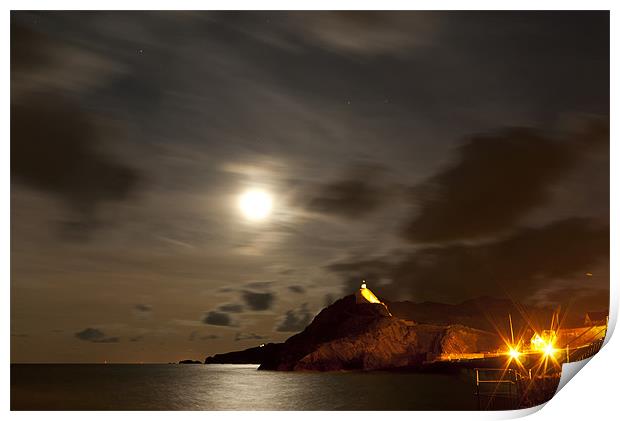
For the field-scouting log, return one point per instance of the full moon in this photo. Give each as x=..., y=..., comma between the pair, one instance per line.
x=255, y=204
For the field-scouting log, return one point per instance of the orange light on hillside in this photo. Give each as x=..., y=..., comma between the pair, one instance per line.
x=549, y=350
x=544, y=341
x=368, y=295
x=537, y=343
x=514, y=353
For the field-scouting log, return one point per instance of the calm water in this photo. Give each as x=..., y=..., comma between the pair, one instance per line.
x=229, y=387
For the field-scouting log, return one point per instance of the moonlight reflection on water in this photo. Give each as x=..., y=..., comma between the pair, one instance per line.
x=229, y=387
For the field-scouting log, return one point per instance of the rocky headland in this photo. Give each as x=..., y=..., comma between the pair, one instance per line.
x=349, y=335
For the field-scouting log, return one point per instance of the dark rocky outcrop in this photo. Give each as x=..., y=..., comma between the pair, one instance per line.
x=190, y=362
x=256, y=355
x=350, y=336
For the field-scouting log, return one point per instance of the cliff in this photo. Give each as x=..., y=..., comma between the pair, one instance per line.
x=348, y=336
x=254, y=355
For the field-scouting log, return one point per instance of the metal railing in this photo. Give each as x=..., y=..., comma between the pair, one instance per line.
x=585, y=352
x=503, y=384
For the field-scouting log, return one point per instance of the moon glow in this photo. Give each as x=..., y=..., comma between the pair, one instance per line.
x=255, y=205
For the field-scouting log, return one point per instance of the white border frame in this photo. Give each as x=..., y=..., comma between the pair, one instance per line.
x=593, y=394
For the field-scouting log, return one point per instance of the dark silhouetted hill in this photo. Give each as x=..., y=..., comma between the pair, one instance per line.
x=254, y=355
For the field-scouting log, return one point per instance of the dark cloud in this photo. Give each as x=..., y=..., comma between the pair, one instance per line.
x=295, y=320
x=231, y=308
x=144, y=308
x=298, y=289
x=350, y=198
x=95, y=335
x=208, y=337
x=109, y=340
x=358, y=270
x=260, y=285
x=495, y=181
x=517, y=264
x=248, y=336
x=258, y=301
x=60, y=155
x=56, y=145
x=583, y=298
x=28, y=50
x=355, y=196
x=349, y=32
x=218, y=318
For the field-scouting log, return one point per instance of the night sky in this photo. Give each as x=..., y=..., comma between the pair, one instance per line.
x=440, y=156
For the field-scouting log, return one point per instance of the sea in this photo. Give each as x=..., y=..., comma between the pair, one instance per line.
x=231, y=387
